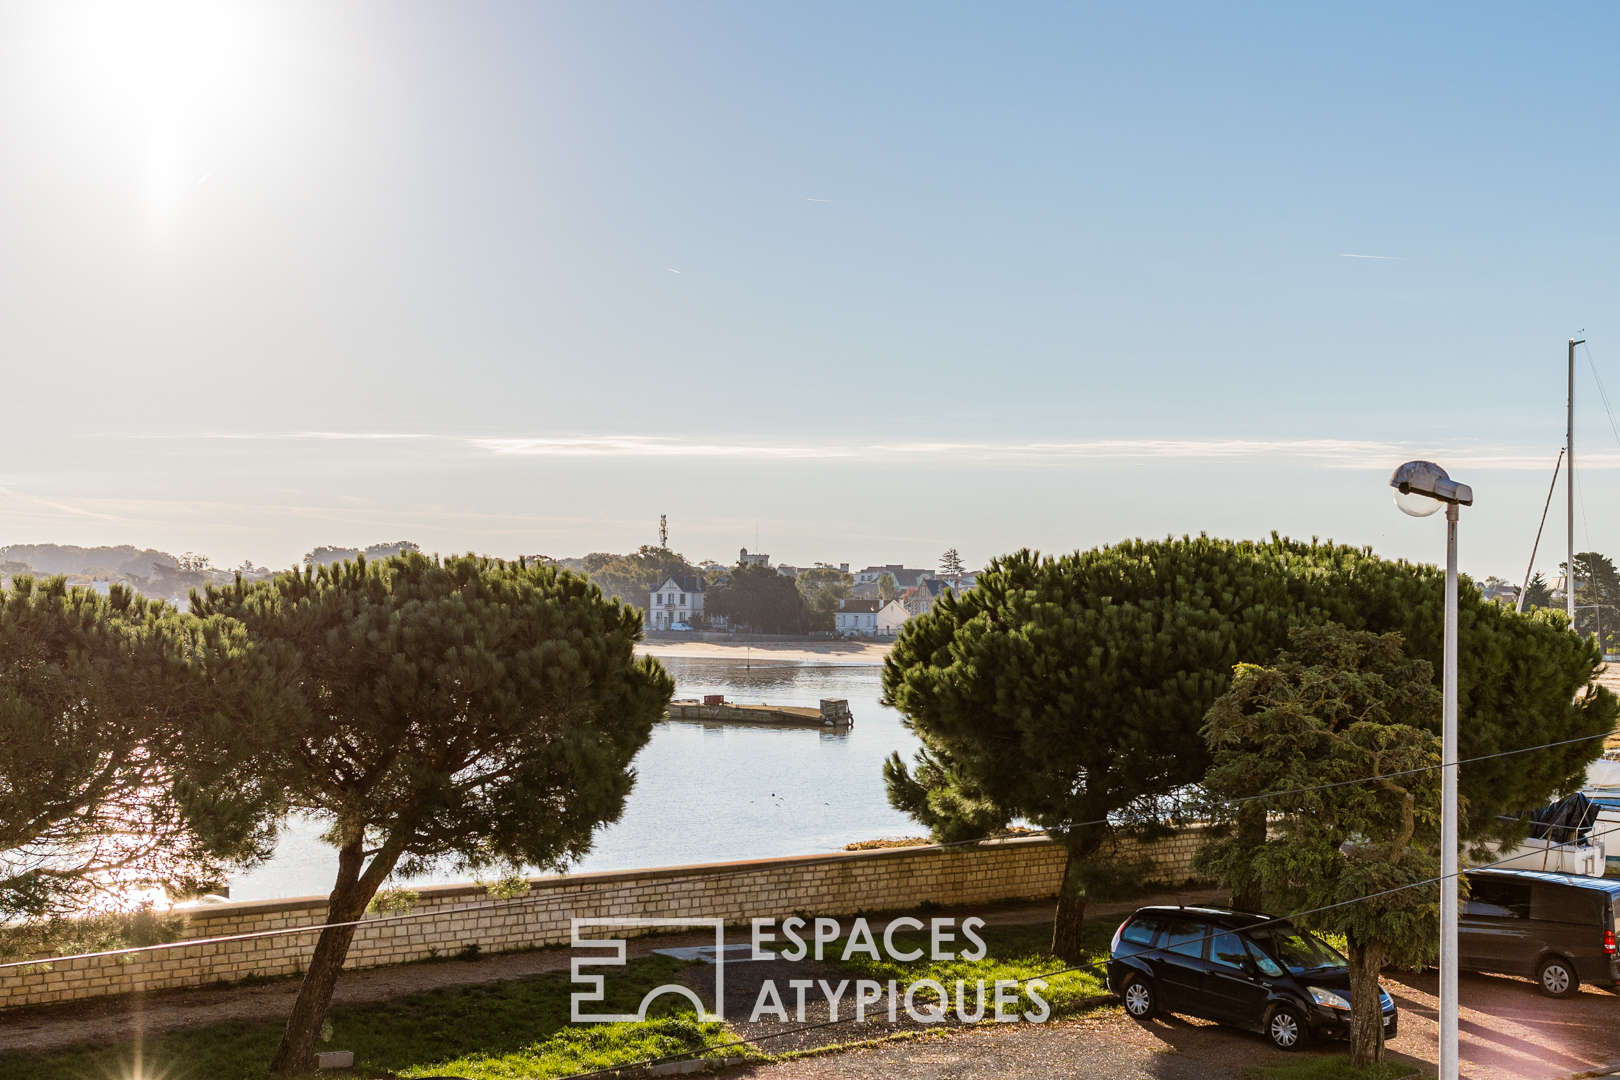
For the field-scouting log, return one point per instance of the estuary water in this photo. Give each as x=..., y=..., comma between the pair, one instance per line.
x=709, y=793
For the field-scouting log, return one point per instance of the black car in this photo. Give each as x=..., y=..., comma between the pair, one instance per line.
x=1247, y=970
x=1555, y=928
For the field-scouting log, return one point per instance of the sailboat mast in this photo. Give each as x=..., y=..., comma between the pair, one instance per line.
x=1569, y=484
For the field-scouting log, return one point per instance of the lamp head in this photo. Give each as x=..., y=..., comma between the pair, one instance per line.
x=1421, y=487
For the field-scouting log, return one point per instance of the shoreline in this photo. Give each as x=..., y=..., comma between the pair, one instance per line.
x=791, y=652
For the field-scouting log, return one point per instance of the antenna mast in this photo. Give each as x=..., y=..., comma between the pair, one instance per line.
x=663, y=530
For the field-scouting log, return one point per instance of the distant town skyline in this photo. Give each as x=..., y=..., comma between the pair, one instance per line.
x=521, y=277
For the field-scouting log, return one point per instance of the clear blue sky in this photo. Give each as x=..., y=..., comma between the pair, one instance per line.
x=882, y=279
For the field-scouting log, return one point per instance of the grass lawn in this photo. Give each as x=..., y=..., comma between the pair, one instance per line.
x=1013, y=952
x=1336, y=1067
x=495, y=1031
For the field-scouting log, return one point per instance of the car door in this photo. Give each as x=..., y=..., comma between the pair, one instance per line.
x=1494, y=932
x=1232, y=986
x=1181, y=966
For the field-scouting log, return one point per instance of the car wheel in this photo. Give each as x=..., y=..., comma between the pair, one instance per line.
x=1557, y=978
x=1139, y=998
x=1286, y=1029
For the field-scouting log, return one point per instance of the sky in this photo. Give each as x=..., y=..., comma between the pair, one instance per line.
x=842, y=282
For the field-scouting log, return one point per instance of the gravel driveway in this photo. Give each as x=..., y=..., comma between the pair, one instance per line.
x=1509, y=1032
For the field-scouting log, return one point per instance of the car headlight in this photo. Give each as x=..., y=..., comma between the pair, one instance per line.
x=1385, y=1002
x=1328, y=998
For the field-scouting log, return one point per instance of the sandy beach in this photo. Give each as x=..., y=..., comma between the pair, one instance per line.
x=802, y=652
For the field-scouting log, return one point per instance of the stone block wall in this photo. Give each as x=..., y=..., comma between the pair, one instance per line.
x=238, y=940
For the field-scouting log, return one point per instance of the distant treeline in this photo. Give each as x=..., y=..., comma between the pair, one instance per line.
x=152, y=573
x=762, y=600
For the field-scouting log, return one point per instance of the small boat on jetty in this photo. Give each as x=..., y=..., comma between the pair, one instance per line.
x=715, y=709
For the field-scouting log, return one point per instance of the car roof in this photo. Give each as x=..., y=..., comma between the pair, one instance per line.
x=1608, y=885
x=1224, y=918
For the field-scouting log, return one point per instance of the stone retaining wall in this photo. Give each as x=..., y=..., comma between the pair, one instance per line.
x=722, y=637
x=451, y=918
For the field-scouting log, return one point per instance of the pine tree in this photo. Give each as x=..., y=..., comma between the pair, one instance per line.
x=463, y=712
x=1339, y=706
x=126, y=732
x=1072, y=690
x=950, y=562
x=1538, y=594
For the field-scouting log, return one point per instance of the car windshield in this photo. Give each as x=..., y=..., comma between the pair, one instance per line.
x=1298, y=952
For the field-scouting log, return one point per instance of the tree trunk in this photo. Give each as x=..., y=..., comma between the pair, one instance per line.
x=347, y=903
x=1251, y=833
x=1067, y=932
x=1366, y=1015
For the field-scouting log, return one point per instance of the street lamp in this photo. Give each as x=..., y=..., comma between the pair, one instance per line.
x=1421, y=488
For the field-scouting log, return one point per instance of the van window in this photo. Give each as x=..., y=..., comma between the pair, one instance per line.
x=1501, y=898
x=1566, y=904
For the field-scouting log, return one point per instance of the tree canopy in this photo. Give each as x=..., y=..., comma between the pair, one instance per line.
x=822, y=588
x=1338, y=706
x=326, y=556
x=461, y=711
x=761, y=599
x=125, y=735
x=1597, y=596
x=1072, y=690
x=887, y=587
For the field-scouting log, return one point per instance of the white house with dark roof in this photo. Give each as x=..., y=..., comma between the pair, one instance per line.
x=679, y=599
x=869, y=618
x=856, y=618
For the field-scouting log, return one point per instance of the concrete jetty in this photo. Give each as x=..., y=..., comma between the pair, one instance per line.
x=834, y=713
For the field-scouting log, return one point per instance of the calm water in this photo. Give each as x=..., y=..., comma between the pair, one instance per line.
x=710, y=793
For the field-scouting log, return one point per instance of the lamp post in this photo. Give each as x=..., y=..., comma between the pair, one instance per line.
x=1422, y=487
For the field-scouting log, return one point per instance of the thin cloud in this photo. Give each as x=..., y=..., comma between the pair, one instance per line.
x=1390, y=258
x=1328, y=453
x=14, y=500
x=672, y=270
x=820, y=200
x=1324, y=453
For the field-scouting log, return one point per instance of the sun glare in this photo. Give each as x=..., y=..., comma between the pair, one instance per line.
x=146, y=96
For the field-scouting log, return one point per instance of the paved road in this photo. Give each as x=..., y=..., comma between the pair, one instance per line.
x=1509, y=1031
